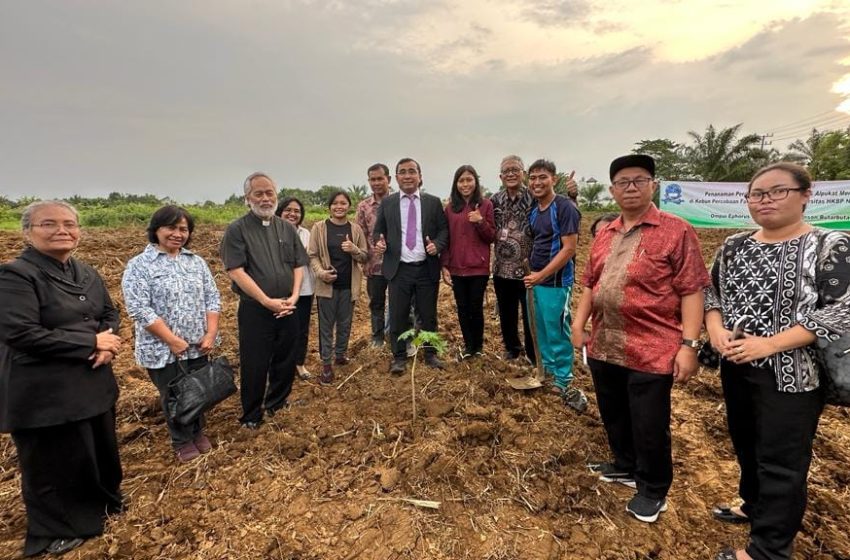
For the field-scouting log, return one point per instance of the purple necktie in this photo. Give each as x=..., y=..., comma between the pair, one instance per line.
x=410, y=235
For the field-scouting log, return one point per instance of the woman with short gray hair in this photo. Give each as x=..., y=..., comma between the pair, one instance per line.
x=58, y=337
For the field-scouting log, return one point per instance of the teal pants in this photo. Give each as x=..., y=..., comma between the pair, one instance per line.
x=552, y=320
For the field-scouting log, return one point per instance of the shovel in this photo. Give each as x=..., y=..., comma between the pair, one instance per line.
x=530, y=381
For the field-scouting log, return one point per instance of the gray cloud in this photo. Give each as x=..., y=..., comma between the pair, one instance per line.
x=180, y=100
x=560, y=13
x=631, y=60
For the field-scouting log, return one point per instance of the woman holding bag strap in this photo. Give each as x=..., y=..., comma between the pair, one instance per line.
x=170, y=293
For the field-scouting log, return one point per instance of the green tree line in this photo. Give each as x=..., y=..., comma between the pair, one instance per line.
x=729, y=155
x=716, y=154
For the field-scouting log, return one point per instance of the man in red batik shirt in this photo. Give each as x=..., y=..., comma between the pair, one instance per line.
x=643, y=292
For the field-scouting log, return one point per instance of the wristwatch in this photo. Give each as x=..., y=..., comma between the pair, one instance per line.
x=690, y=343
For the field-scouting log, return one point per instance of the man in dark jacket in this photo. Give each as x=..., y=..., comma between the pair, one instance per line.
x=410, y=232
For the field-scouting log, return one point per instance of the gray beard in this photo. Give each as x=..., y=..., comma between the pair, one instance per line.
x=260, y=213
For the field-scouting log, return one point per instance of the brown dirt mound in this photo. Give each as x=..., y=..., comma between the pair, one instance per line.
x=333, y=477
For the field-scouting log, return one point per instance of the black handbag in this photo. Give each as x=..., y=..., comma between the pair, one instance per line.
x=835, y=358
x=194, y=392
x=708, y=356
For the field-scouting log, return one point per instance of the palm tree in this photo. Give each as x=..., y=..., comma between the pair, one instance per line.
x=719, y=155
x=826, y=153
x=357, y=193
x=804, y=151
x=590, y=194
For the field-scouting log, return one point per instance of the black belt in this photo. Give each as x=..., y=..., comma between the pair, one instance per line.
x=417, y=263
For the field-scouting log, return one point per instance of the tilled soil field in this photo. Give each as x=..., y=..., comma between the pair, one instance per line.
x=336, y=475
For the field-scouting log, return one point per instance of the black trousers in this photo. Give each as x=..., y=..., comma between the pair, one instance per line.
x=181, y=434
x=510, y=294
x=303, y=309
x=635, y=409
x=376, y=288
x=469, y=297
x=70, y=479
x=772, y=433
x=267, y=348
x=412, y=283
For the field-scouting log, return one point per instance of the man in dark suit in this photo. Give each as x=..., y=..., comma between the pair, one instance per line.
x=410, y=232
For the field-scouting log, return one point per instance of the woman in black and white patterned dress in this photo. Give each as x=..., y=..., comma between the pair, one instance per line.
x=788, y=284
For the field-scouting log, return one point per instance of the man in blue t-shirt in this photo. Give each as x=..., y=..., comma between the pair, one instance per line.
x=553, y=224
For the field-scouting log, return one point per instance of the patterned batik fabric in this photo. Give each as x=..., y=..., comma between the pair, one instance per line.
x=512, y=245
x=638, y=278
x=777, y=286
x=367, y=214
x=178, y=290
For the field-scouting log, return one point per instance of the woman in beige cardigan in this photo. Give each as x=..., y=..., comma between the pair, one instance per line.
x=336, y=248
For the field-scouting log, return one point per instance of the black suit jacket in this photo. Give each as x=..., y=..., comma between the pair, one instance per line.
x=48, y=330
x=434, y=226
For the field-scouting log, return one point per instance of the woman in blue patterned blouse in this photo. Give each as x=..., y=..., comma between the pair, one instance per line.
x=172, y=297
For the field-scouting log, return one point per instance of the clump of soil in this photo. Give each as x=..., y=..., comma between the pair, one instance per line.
x=337, y=475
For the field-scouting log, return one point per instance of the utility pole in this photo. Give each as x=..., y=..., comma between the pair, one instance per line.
x=766, y=143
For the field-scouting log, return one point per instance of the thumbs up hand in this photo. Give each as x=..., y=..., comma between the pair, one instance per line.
x=572, y=186
x=347, y=245
x=430, y=248
x=381, y=245
x=475, y=216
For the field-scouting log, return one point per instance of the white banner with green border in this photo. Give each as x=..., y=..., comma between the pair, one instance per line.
x=722, y=205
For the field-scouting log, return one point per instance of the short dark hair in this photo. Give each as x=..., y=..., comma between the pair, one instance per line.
x=543, y=164
x=457, y=201
x=408, y=160
x=381, y=167
x=798, y=172
x=169, y=215
x=335, y=194
x=286, y=202
x=609, y=217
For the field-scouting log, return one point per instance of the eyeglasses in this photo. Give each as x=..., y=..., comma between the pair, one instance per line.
x=780, y=193
x=53, y=227
x=623, y=184
x=511, y=171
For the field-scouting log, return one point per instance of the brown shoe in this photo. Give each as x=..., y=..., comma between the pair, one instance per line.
x=342, y=361
x=187, y=452
x=202, y=443
x=327, y=376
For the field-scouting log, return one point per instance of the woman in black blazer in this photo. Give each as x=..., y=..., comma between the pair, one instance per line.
x=57, y=390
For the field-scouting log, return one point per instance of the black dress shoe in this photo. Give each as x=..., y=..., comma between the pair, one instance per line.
x=61, y=546
x=725, y=514
x=431, y=360
x=397, y=367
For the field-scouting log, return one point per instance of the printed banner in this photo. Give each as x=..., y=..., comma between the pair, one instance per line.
x=722, y=205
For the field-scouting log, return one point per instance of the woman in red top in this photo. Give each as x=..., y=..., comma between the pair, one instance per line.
x=466, y=261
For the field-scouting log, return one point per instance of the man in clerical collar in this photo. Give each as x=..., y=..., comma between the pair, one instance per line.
x=265, y=260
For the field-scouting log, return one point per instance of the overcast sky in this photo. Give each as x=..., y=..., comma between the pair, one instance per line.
x=184, y=99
